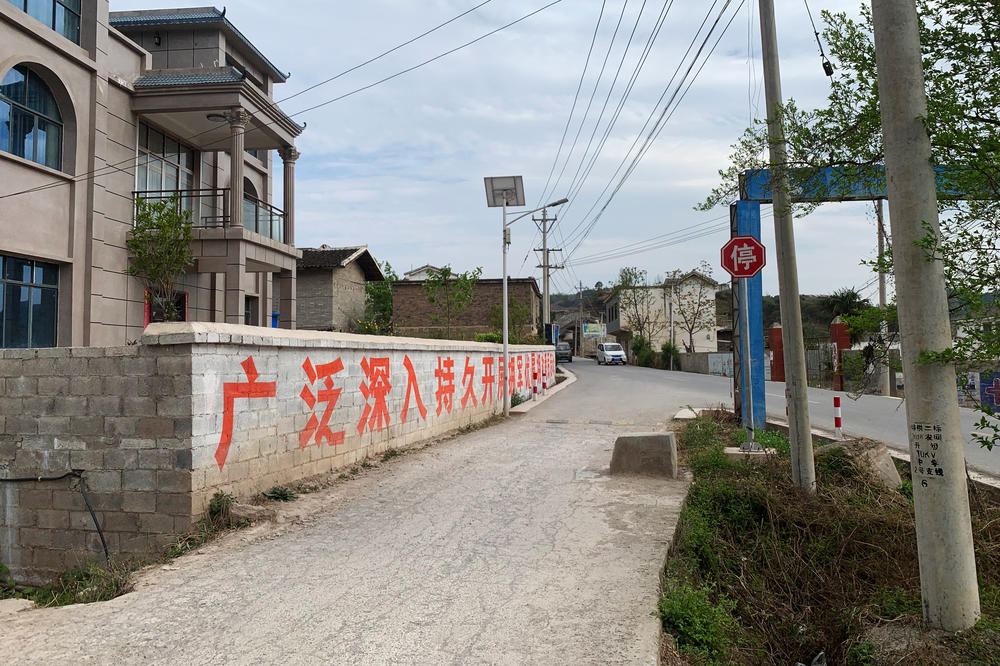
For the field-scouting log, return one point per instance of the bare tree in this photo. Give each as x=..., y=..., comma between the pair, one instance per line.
x=695, y=309
x=637, y=304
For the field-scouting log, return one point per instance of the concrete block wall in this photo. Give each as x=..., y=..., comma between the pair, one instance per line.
x=156, y=428
x=276, y=436
x=117, y=415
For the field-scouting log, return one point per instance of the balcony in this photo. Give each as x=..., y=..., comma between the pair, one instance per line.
x=209, y=209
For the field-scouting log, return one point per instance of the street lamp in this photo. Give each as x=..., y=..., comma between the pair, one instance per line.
x=502, y=192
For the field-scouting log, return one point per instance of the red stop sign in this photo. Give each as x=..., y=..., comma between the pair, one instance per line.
x=743, y=256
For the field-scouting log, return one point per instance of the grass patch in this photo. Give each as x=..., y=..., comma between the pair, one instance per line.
x=760, y=573
x=390, y=454
x=280, y=494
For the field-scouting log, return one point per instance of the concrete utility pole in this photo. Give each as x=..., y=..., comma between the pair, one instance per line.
x=579, y=325
x=883, y=375
x=796, y=385
x=948, y=586
x=545, y=265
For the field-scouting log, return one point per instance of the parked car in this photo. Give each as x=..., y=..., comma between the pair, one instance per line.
x=564, y=352
x=610, y=353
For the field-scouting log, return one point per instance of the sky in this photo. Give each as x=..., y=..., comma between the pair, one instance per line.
x=399, y=167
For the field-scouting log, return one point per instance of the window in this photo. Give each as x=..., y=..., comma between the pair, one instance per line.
x=63, y=16
x=30, y=123
x=165, y=165
x=29, y=297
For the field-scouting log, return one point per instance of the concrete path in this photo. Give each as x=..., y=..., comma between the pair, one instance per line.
x=508, y=545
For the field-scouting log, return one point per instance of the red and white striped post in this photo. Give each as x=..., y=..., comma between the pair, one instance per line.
x=837, y=421
x=534, y=384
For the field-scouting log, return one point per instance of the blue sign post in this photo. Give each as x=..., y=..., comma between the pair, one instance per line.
x=745, y=221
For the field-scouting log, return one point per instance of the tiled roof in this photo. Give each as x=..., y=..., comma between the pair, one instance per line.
x=325, y=257
x=119, y=19
x=189, y=78
x=133, y=19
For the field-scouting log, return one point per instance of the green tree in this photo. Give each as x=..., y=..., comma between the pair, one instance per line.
x=451, y=292
x=378, y=304
x=160, y=250
x=637, y=304
x=960, y=42
x=518, y=320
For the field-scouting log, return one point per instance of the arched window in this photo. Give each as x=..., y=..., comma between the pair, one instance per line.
x=30, y=123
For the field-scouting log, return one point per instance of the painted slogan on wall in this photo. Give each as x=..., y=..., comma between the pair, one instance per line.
x=476, y=382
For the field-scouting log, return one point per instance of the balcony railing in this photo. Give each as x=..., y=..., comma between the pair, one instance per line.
x=263, y=218
x=209, y=209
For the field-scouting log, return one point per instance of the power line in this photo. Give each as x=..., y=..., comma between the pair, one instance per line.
x=593, y=93
x=384, y=53
x=651, y=115
x=572, y=108
x=578, y=184
x=661, y=122
x=111, y=168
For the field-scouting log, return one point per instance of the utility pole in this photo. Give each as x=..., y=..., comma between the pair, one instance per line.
x=948, y=586
x=579, y=325
x=883, y=375
x=545, y=265
x=796, y=384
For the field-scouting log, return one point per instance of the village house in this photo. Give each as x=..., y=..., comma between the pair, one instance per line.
x=331, y=286
x=99, y=108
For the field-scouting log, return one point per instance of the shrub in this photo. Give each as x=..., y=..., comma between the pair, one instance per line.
x=642, y=352
x=493, y=336
x=700, y=627
x=669, y=351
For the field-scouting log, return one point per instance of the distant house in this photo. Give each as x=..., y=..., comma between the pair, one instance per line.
x=421, y=273
x=692, y=297
x=331, y=286
x=414, y=316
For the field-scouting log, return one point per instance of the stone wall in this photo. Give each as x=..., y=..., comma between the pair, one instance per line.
x=155, y=429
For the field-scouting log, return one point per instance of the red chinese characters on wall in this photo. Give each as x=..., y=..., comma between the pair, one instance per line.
x=327, y=395
x=320, y=394
x=412, y=388
x=375, y=389
x=230, y=392
x=445, y=375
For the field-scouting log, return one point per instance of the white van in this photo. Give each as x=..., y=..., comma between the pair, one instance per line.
x=610, y=353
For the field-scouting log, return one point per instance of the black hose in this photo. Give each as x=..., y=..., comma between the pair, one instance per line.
x=83, y=491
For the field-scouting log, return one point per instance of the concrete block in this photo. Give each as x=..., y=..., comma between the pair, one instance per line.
x=121, y=426
x=155, y=523
x=53, y=519
x=86, y=460
x=20, y=425
x=651, y=454
x=172, y=481
x=33, y=537
x=69, y=539
x=11, y=406
x=82, y=520
x=138, y=406
x=53, y=425
x=153, y=459
x=86, y=426
x=175, y=504
x=123, y=459
x=74, y=443
x=53, y=386
x=69, y=500
x=133, y=544
x=104, y=405
x=139, y=502
x=69, y=406
x=139, y=479
x=34, y=498
x=121, y=521
x=153, y=427
x=105, y=501
x=104, y=481
x=738, y=454
x=86, y=386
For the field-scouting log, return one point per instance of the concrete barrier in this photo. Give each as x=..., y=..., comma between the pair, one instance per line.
x=650, y=454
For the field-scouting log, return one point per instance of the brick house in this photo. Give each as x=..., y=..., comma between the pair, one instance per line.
x=99, y=108
x=331, y=286
x=414, y=316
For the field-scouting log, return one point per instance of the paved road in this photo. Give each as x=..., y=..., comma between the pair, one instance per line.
x=879, y=418
x=510, y=544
